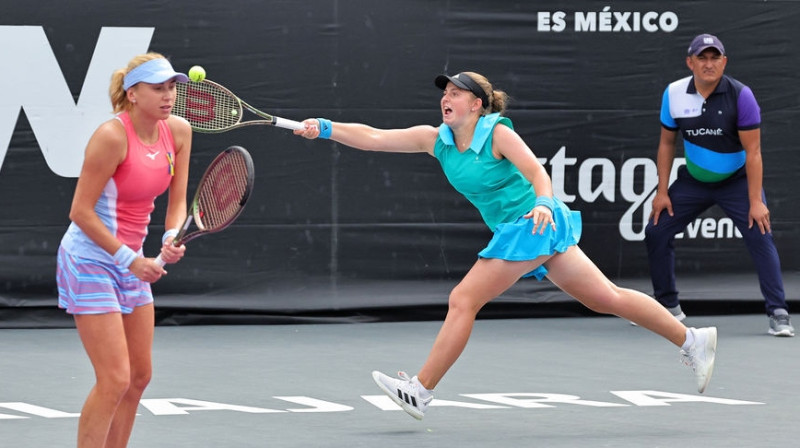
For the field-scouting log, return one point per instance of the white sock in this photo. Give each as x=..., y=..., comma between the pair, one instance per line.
x=423, y=392
x=689, y=339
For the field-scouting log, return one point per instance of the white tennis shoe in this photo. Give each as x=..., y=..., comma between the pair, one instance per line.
x=700, y=356
x=407, y=392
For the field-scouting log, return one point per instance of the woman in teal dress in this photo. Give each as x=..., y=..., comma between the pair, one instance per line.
x=535, y=234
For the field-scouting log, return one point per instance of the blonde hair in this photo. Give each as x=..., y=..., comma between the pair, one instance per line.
x=119, y=99
x=498, y=99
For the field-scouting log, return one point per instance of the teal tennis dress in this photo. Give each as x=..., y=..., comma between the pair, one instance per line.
x=503, y=196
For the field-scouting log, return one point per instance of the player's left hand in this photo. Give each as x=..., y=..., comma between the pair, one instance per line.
x=542, y=216
x=759, y=214
x=146, y=270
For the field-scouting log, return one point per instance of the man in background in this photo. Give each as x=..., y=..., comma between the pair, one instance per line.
x=719, y=120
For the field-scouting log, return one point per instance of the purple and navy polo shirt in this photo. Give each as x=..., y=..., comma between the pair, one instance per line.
x=710, y=127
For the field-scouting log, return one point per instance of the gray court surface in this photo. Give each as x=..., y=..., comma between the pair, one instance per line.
x=536, y=382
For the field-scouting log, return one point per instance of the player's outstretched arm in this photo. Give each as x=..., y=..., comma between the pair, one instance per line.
x=360, y=136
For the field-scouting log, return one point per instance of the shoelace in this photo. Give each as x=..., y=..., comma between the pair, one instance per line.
x=404, y=376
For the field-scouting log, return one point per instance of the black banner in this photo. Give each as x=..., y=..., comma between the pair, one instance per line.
x=585, y=80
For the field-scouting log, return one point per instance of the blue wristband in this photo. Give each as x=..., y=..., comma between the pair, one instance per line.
x=125, y=256
x=545, y=201
x=325, y=128
x=169, y=233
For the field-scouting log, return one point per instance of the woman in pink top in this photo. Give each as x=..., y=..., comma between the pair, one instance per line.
x=103, y=278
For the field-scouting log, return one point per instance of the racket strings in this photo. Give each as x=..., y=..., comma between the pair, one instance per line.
x=206, y=106
x=224, y=189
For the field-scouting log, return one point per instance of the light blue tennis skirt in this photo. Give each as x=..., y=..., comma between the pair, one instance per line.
x=513, y=241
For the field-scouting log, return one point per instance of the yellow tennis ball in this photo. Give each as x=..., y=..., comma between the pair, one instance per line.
x=234, y=112
x=197, y=73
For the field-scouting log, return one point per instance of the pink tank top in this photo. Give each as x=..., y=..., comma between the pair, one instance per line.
x=128, y=198
x=144, y=175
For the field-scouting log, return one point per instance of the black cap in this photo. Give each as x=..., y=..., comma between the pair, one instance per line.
x=463, y=81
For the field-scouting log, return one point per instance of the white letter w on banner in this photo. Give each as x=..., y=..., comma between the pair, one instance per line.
x=34, y=83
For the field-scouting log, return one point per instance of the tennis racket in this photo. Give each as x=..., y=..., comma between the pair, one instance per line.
x=211, y=108
x=220, y=197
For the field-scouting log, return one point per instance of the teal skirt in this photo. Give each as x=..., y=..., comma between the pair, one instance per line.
x=513, y=241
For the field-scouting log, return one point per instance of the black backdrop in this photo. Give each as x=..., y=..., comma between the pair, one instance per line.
x=585, y=96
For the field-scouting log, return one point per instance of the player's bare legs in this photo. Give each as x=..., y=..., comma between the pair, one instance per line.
x=487, y=279
x=139, y=334
x=103, y=338
x=574, y=273
x=571, y=271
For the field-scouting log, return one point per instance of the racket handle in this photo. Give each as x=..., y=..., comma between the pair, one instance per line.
x=159, y=261
x=289, y=124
